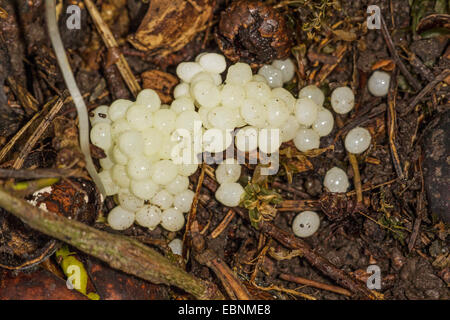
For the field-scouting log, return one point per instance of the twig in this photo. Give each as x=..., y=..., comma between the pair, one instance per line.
x=122, y=253
x=111, y=44
x=419, y=210
x=284, y=290
x=328, y=68
x=36, y=173
x=223, y=224
x=356, y=177
x=24, y=188
x=315, y=284
x=298, y=205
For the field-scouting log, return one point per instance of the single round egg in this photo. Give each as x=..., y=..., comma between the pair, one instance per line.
x=254, y=113
x=120, y=219
x=324, y=122
x=139, y=117
x=162, y=199
x=187, y=169
x=118, y=127
x=314, y=93
x=269, y=140
x=101, y=135
x=378, y=83
x=305, y=224
x=187, y=120
x=277, y=112
x=213, y=62
x=131, y=143
x=216, y=140
x=357, y=140
x=183, y=200
x=130, y=202
x=258, y=91
x=182, y=104
x=229, y=194
x=222, y=118
x=336, y=180
x=176, y=246
x=152, y=142
x=178, y=185
x=232, y=95
x=228, y=172
x=164, y=120
x=187, y=70
x=286, y=67
x=120, y=176
x=239, y=73
x=118, y=109
x=145, y=189
x=149, y=99
x=164, y=172
x=138, y=168
x=289, y=129
x=306, y=111
x=247, y=139
x=182, y=90
x=273, y=76
x=286, y=96
x=306, y=139
x=342, y=100
x=206, y=93
x=149, y=216
x=172, y=219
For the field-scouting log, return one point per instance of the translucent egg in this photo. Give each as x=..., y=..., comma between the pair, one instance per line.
x=152, y=141
x=357, y=140
x=336, y=180
x=259, y=78
x=187, y=169
x=232, y=95
x=213, y=62
x=228, y=172
x=314, y=93
x=172, y=220
x=120, y=219
x=187, y=70
x=273, y=76
x=202, y=76
x=118, y=109
x=164, y=120
x=165, y=171
x=120, y=176
x=197, y=58
x=182, y=104
x=286, y=96
x=165, y=152
x=163, y=199
x=239, y=73
x=101, y=135
x=379, y=83
x=149, y=216
x=138, y=168
x=324, y=122
x=178, y=185
x=186, y=120
x=306, y=111
x=176, y=246
x=305, y=224
x=130, y=202
x=118, y=127
x=139, y=117
x=229, y=194
x=149, y=99
x=258, y=91
x=216, y=140
x=144, y=189
x=203, y=113
x=289, y=129
x=287, y=68
x=182, y=90
x=254, y=113
x=277, y=112
x=269, y=140
x=99, y=114
x=222, y=118
x=217, y=79
x=118, y=156
x=110, y=186
x=183, y=201
x=342, y=100
x=306, y=139
x=247, y=139
x=206, y=93
x=238, y=120
x=131, y=143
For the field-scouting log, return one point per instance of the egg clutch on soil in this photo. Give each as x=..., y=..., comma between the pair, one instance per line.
x=152, y=148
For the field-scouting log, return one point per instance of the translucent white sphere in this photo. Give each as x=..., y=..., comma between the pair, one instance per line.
x=149, y=99
x=182, y=104
x=314, y=93
x=306, y=139
x=202, y=76
x=138, y=168
x=228, y=172
x=232, y=95
x=222, y=118
x=118, y=156
x=118, y=127
x=182, y=90
x=130, y=202
x=120, y=219
x=99, y=114
x=178, y=185
x=277, y=112
x=286, y=96
x=144, y=189
x=206, y=93
x=239, y=73
x=176, y=246
x=197, y=58
x=306, y=111
x=246, y=139
x=273, y=76
x=183, y=200
x=287, y=68
x=336, y=180
x=164, y=120
x=164, y=172
x=357, y=140
x=259, y=78
x=289, y=129
x=324, y=122
x=172, y=219
x=120, y=176
x=118, y=109
x=229, y=194
x=269, y=140
x=101, y=135
x=186, y=120
x=139, y=117
x=131, y=143
x=342, y=100
x=216, y=140
x=152, y=140
x=149, y=216
x=305, y=224
x=187, y=70
x=258, y=91
x=163, y=199
x=187, y=169
x=110, y=186
x=379, y=83
x=213, y=62
x=254, y=113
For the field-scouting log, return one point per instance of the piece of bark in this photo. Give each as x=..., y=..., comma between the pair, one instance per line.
x=162, y=82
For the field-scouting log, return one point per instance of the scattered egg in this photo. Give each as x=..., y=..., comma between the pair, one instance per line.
x=342, y=100
x=176, y=246
x=229, y=171
x=305, y=224
x=229, y=194
x=378, y=83
x=357, y=140
x=336, y=180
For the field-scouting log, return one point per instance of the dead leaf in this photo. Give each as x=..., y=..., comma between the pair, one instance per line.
x=162, y=82
x=345, y=35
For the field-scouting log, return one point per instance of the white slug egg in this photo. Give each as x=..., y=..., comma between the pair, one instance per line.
x=229, y=171
x=229, y=194
x=130, y=202
x=131, y=143
x=239, y=73
x=163, y=199
x=118, y=127
x=273, y=76
x=152, y=142
x=259, y=78
x=324, y=122
x=314, y=93
x=289, y=129
x=357, y=140
x=277, y=112
x=176, y=246
x=120, y=219
x=101, y=135
x=202, y=76
x=306, y=139
x=247, y=139
x=306, y=111
x=378, y=83
x=164, y=172
x=342, y=100
x=144, y=189
x=182, y=90
x=138, y=168
x=186, y=120
x=182, y=104
x=232, y=95
x=254, y=113
x=269, y=140
x=110, y=186
x=206, y=93
x=118, y=156
x=216, y=140
x=120, y=176
x=187, y=70
x=258, y=91
x=336, y=180
x=164, y=120
x=187, y=169
x=286, y=67
x=149, y=216
x=149, y=99
x=172, y=220
x=118, y=109
x=222, y=118
x=178, y=185
x=139, y=117
x=99, y=114
x=183, y=200
x=286, y=96
x=213, y=62
x=305, y=224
